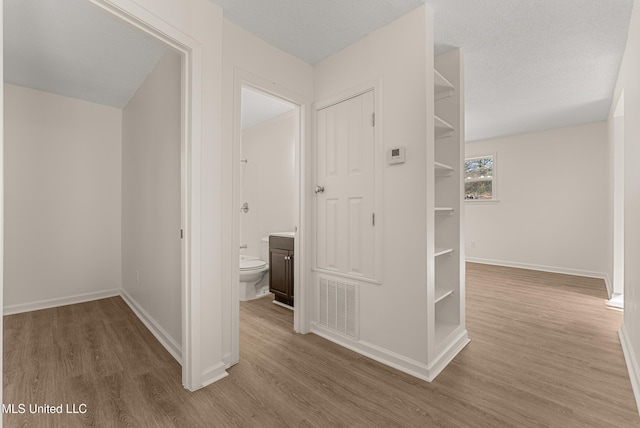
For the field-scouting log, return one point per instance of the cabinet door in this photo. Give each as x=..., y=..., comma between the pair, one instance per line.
x=278, y=274
x=290, y=278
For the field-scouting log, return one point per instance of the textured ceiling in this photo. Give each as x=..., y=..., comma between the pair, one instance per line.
x=530, y=64
x=71, y=48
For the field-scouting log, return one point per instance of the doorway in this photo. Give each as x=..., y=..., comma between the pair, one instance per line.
x=190, y=138
x=268, y=171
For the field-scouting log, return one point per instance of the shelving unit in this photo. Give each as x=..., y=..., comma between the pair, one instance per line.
x=447, y=330
x=443, y=128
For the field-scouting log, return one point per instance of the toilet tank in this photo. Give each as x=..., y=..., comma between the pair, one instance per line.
x=264, y=249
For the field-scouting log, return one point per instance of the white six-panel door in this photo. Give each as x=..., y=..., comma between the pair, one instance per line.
x=345, y=218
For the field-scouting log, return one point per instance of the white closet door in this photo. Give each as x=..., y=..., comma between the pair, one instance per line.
x=345, y=169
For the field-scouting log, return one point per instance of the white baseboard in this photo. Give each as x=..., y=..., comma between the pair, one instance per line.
x=214, y=374
x=174, y=348
x=391, y=359
x=447, y=355
x=62, y=301
x=543, y=268
x=632, y=363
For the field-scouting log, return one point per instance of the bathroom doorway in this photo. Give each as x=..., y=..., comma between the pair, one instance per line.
x=268, y=205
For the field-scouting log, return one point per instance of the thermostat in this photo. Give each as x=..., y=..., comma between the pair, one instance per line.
x=395, y=155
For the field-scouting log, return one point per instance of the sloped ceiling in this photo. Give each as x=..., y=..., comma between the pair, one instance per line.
x=71, y=48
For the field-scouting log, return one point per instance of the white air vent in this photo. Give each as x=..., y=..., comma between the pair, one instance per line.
x=337, y=309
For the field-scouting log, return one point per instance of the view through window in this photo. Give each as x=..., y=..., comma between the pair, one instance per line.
x=479, y=176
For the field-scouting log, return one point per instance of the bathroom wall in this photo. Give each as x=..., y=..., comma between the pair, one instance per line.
x=62, y=200
x=267, y=180
x=151, y=258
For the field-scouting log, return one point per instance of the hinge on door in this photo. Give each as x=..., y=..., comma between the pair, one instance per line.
x=373, y=219
x=373, y=119
x=181, y=234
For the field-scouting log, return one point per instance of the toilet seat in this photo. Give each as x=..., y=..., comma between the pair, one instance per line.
x=256, y=264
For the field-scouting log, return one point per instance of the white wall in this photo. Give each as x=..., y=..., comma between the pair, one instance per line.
x=247, y=55
x=151, y=258
x=268, y=179
x=553, y=191
x=629, y=81
x=392, y=315
x=198, y=25
x=62, y=200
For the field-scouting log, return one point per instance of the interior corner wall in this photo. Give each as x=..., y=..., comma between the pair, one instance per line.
x=268, y=180
x=246, y=53
x=552, y=212
x=151, y=200
x=629, y=80
x=400, y=57
x=62, y=200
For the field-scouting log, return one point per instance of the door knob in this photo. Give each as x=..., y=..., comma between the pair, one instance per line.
x=319, y=189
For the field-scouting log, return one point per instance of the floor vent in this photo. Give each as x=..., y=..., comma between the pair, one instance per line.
x=338, y=307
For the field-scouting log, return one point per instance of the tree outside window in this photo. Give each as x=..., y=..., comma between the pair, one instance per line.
x=479, y=176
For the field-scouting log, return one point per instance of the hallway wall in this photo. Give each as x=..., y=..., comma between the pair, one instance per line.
x=629, y=80
x=151, y=257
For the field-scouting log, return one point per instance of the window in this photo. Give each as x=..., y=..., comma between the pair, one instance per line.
x=479, y=178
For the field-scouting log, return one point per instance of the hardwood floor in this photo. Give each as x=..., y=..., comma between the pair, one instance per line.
x=544, y=351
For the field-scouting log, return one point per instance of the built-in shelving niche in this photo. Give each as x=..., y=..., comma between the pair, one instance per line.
x=447, y=302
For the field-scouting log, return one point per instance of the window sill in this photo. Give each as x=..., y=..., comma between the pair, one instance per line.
x=482, y=201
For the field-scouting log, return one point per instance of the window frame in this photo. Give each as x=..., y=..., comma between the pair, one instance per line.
x=494, y=179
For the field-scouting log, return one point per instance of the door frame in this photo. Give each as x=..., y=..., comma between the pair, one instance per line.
x=243, y=78
x=190, y=51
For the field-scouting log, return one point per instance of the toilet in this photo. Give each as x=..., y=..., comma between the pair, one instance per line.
x=254, y=274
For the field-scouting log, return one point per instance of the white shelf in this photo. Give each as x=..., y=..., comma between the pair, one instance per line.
x=443, y=168
x=442, y=87
x=443, y=129
x=443, y=296
x=444, y=210
x=443, y=252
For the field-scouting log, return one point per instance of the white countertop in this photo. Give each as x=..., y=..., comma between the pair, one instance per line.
x=283, y=234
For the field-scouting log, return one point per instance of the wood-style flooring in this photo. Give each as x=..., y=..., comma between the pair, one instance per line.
x=544, y=352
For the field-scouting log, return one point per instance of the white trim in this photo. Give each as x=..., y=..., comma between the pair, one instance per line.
x=616, y=301
x=482, y=201
x=447, y=355
x=350, y=277
x=1, y=188
x=632, y=363
x=191, y=147
x=60, y=301
x=392, y=359
x=154, y=327
x=543, y=268
x=213, y=374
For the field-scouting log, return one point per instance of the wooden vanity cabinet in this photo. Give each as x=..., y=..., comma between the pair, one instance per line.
x=281, y=268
